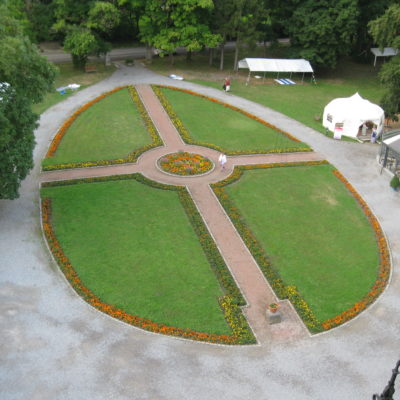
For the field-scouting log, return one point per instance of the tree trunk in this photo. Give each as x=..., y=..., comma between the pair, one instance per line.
x=221, y=62
x=171, y=58
x=149, y=53
x=210, y=57
x=235, y=62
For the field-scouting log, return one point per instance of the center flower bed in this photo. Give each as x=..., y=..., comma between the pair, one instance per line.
x=183, y=163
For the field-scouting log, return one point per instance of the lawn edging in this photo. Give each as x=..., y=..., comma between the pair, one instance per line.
x=130, y=158
x=290, y=292
x=230, y=302
x=183, y=131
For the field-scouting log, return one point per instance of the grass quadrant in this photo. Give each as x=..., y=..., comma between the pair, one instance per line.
x=211, y=123
x=313, y=231
x=140, y=252
x=109, y=129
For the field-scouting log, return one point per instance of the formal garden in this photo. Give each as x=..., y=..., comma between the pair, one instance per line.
x=148, y=257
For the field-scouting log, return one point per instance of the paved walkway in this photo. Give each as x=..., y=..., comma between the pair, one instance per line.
x=69, y=350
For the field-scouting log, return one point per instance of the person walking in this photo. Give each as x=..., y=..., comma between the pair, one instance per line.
x=222, y=160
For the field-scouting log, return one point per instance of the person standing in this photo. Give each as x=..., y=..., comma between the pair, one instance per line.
x=227, y=85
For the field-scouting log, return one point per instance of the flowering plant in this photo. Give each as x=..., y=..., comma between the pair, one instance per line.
x=183, y=163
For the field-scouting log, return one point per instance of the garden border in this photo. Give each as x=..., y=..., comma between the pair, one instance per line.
x=130, y=158
x=184, y=133
x=230, y=302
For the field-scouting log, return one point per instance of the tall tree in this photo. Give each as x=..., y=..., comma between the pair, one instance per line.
x=168, y=24
x=25, y=77
x=85, y=27
x=386, y=32
x=321, y=31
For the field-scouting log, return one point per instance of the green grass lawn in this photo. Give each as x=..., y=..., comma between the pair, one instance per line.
x=109, y=129
x=134, y=247
x=314, y=232
x=68, y=74
x=209, y=122
x=304, y=103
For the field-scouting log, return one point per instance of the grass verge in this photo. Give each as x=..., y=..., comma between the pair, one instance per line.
x=67, y=75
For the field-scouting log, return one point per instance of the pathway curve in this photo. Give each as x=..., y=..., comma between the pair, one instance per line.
x=240, y=262
x=71, y=351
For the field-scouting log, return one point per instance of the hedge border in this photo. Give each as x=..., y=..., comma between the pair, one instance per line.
x=230, y=302
x=290, y=292
x=183, y=131
x=130, y=158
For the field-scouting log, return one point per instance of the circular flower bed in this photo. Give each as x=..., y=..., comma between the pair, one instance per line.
x=183, y=163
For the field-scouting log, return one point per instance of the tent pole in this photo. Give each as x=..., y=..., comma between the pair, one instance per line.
x=290, y=75
x=264, y=77
x=248, y=78
x=375, y=61
x=302, y=79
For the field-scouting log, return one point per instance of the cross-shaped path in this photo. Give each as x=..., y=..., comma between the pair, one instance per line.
x=241, y=263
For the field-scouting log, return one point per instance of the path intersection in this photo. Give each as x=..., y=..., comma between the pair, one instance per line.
x=70, y=350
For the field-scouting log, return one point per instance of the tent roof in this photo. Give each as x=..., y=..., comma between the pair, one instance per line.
x=275, y=65
x=354, y=106
x=393, y=143
x=387, y=52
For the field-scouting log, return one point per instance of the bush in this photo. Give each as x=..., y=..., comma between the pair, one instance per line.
x=395, y=182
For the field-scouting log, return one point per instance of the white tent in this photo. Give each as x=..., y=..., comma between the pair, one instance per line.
x=386, y=52
x=275, y=65
x=345, y=116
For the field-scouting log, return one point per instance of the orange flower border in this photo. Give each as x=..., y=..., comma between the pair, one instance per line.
x=291, y=292
x=230, y=303
x=188, y=139
x=384, y=263
x=131, y=157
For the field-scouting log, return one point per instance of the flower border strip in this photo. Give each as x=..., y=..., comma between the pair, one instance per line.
x=131, y=157
x=282, y=290
x=384, y=263
x=188, y=139
x=229, y=303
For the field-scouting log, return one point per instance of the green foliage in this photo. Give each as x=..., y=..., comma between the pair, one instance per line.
x=386, y=29
x=17, y=123
x=322, y=31
x=169, y=24
x=103, y=16
x=386, y=32
x=395, y=182
x=80, y=42
x=25, y=77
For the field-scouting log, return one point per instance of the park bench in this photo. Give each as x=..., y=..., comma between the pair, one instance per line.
x=90, y=68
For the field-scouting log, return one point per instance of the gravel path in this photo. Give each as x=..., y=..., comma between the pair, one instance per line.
x=55, y=346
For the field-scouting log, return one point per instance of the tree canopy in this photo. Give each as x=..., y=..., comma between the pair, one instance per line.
x=25, y=77
x=386, y=32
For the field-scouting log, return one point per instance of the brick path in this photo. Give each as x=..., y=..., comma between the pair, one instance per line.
x=243, y=267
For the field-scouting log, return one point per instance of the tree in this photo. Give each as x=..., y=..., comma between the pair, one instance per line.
x=25, y=77
x=386, y=32
x=85, y=27
x=169, y=24
x=322, y=31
